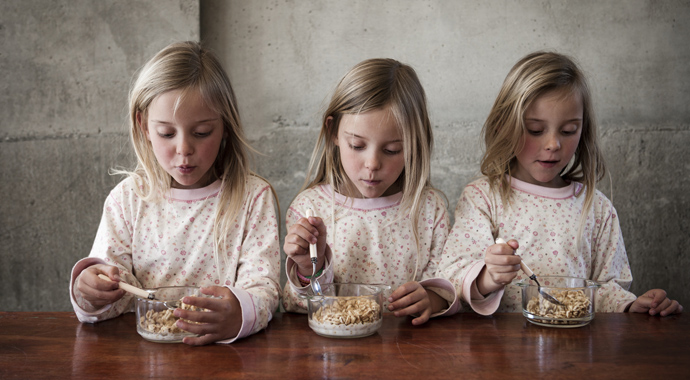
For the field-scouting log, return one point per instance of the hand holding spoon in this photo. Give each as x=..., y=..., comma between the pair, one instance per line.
x=129, y=288
x=141, y=292
x=315, y=286
x=533, y=277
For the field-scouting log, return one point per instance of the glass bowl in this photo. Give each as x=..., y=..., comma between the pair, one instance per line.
x=155, y=319
x=346, y=310
x=576, y=294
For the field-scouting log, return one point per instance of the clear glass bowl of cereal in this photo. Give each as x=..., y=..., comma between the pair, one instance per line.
x=346, y=310
x=576, y=294
x=155, y=319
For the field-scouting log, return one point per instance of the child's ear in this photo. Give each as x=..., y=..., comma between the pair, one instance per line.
x=142, y=125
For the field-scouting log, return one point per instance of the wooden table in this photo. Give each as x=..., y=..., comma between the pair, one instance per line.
x=614, y=346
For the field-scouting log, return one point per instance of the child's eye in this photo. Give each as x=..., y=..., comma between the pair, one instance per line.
x=534, y=132
x=203, y=134
x=570, y=131
x=392, y=152
x=356, y=147
x=166, y=135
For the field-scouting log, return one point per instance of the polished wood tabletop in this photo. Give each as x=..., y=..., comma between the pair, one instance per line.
x=613, y=346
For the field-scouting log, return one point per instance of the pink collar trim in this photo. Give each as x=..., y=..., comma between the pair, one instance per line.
x=201, y=193
x=547, y=192
x=363, y=203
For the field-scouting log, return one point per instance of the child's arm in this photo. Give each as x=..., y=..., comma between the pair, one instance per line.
x=432, y=296
x=252, y=290
x=470, y=239
x=655, y=302
x=609, y=260
x=110, y=255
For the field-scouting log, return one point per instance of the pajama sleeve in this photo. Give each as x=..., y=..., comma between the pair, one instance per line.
x=258, y=271
x=112, y=246
x=610, y=265
x=463, y=254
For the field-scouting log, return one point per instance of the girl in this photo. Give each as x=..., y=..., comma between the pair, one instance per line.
x=541, y=165
x=191, y=213
x=378, y=220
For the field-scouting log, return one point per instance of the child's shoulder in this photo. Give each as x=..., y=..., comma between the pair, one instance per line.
x=434, y=196
x=602, y=203
x=314, y=192
x=257, y=183
x=127, y=188
x=480, y=184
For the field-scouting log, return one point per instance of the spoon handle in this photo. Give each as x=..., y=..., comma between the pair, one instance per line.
x=312, y=247
x=129, y=288
x=526, y=269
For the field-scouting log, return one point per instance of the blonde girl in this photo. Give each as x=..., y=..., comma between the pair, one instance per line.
x=378, y=219
x=191, y=213
x=540, y=167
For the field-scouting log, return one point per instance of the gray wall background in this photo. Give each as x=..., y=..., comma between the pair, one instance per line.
x=67, y=65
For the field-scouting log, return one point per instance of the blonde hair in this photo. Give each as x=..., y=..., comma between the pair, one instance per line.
x=533, y=76
x=375, y=84
x=188, y=67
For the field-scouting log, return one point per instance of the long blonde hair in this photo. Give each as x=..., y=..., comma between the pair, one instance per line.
x=374, y=84
x=532, y=76
x=189, y=67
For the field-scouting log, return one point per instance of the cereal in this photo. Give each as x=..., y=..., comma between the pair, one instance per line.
x=163, y=322
x=348, y=316
x=575, y=305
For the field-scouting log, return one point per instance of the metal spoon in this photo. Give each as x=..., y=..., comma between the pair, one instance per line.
x=533, y=277
x=315, y=286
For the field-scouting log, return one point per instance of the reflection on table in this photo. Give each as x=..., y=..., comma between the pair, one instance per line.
x=623, y=345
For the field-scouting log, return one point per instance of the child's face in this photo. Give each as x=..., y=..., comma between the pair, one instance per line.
x=553, y=125
x=371, y=150
x=185, y=142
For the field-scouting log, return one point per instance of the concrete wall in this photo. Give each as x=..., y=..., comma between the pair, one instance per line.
x=66, y=67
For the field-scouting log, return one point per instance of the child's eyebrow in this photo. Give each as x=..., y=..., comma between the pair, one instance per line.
x=196, y=122
x=569, y=120
x=364, y=138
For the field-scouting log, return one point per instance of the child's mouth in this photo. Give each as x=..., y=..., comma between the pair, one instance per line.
x=185, y=169
x=548, y=164
x=371, y=182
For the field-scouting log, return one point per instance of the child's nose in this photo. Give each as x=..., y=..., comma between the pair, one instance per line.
x=553, y=143
x=373, y=162
x=184, y=146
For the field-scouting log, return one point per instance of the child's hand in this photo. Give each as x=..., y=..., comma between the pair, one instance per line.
x=502, y=266
x=223, y=319
x=655, y=302
x=97, y=291
x=300, y=235
x=411, y=298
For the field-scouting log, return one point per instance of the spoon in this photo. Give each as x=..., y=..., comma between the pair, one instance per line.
x=141, y=292
x=533, y=277
x=315, y=286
